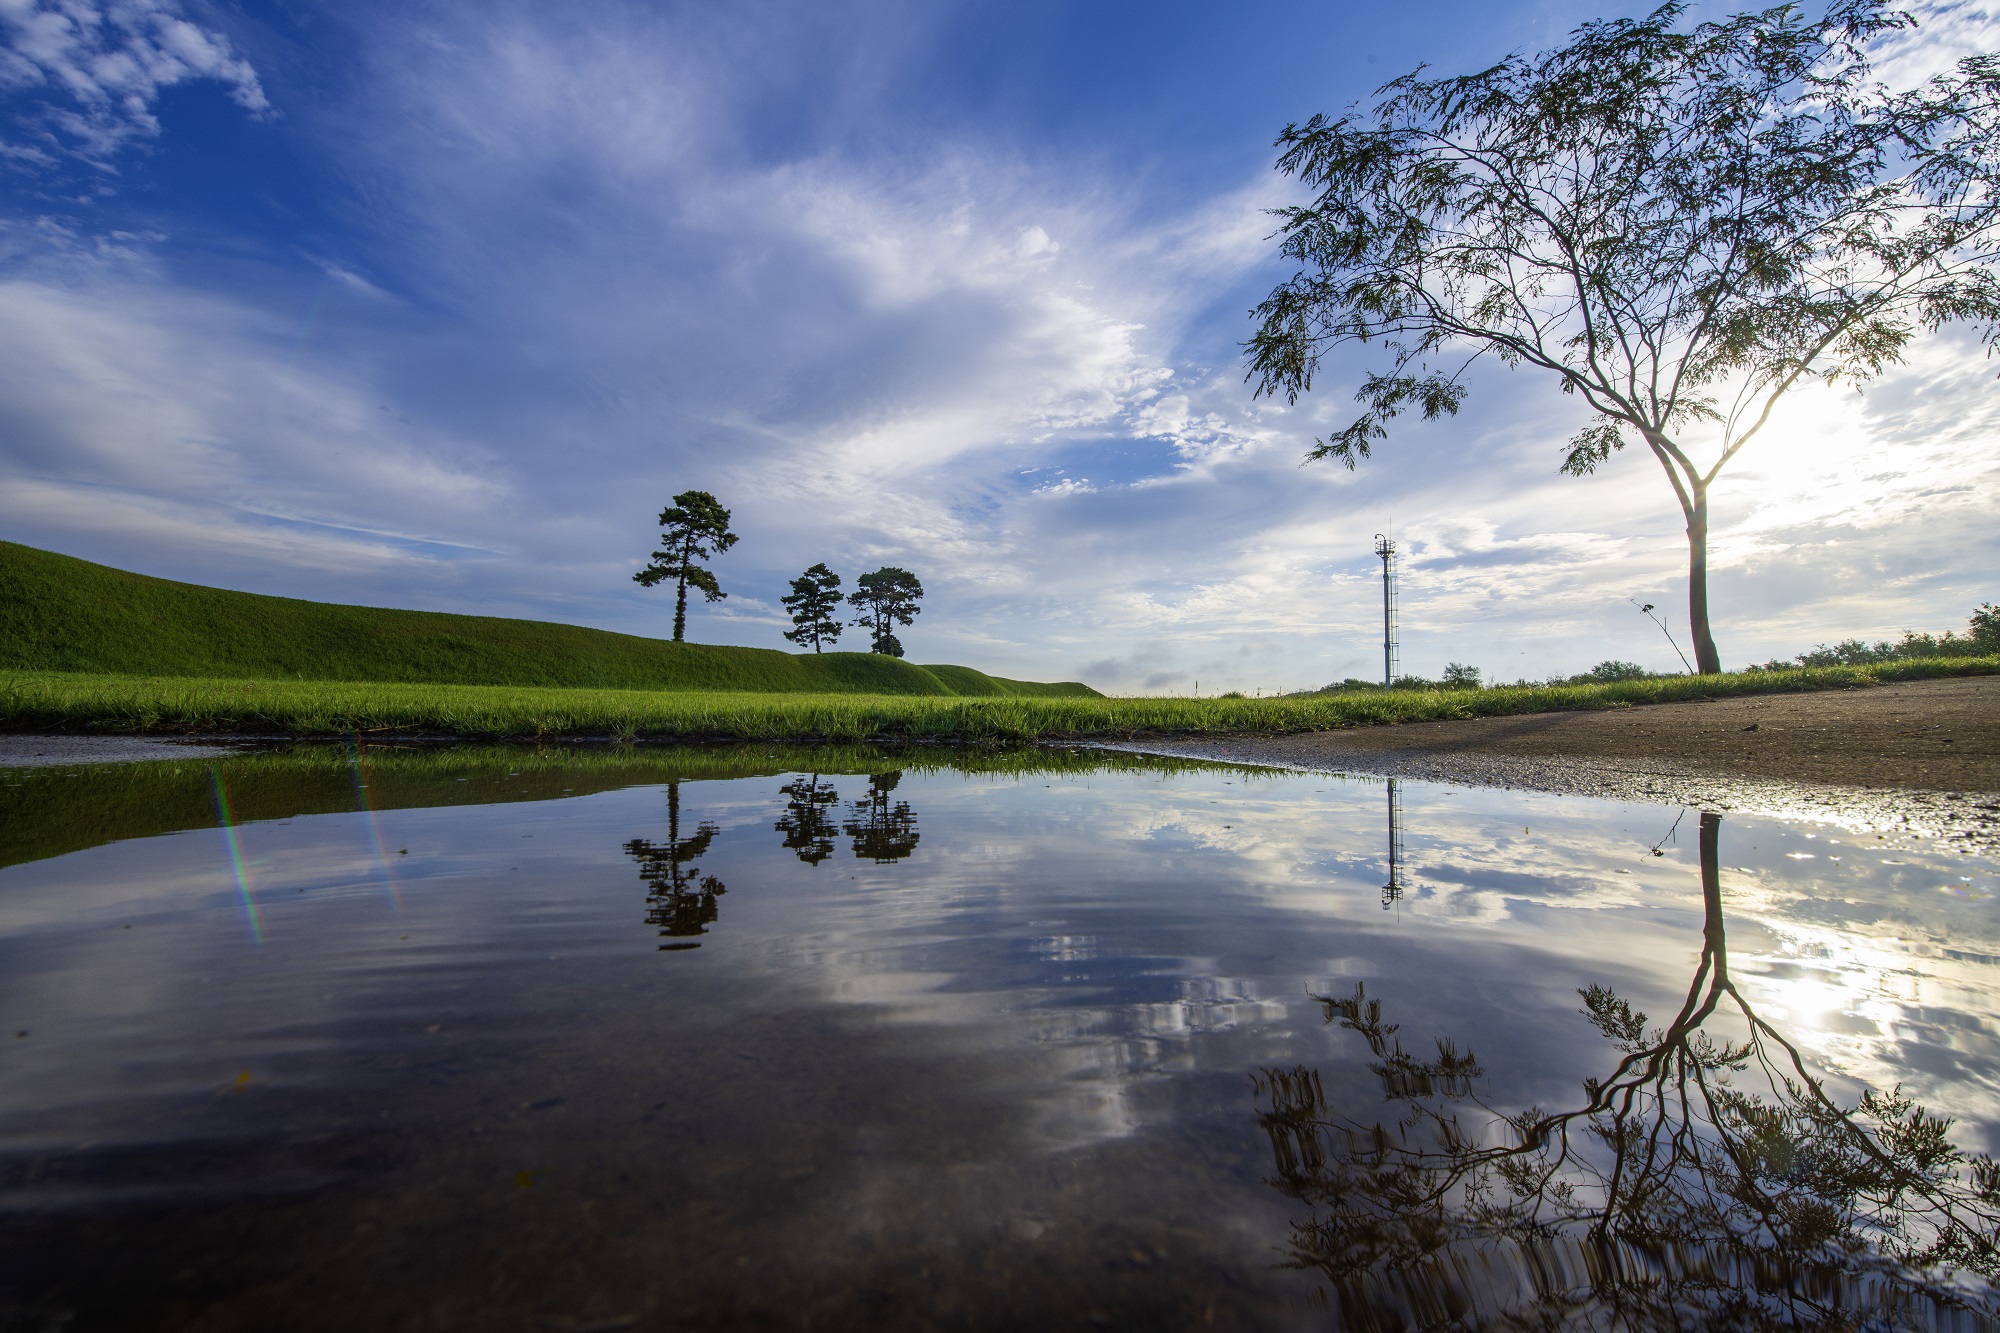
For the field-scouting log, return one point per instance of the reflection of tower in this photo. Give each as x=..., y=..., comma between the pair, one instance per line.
x=1392, y=892
x=1387, y=550
x=680, y=899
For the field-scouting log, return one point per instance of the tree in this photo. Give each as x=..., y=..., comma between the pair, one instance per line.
x=1986, y=627
x=1459, y=676
x=695, y=528
x=814, y=602
x=887, y=598
x=1679, y=226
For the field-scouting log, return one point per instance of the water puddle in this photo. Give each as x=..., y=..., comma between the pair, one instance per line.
x=358, y=1037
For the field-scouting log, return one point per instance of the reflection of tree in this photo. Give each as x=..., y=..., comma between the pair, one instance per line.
x=680, y=899
x=1706, y=1182
x=882, y=832
x=808, y=819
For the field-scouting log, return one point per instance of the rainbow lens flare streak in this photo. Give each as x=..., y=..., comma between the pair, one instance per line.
x=361, y=799
x=245, y=887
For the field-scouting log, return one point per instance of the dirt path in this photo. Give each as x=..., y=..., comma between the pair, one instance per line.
x=1920, y=757
x=1932, y=735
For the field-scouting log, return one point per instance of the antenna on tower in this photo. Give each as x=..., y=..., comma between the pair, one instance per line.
x=1387, y=550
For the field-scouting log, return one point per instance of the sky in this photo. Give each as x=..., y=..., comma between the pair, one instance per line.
x=436, y=305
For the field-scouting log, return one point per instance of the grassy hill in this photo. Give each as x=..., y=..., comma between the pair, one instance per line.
x=58, y=613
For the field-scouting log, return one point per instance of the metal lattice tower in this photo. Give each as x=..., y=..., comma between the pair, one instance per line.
x=1387, y=550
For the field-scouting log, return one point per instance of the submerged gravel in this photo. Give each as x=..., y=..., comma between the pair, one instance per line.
x=55, y=751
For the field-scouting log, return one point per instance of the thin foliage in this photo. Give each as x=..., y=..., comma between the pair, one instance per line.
x=1679, y=224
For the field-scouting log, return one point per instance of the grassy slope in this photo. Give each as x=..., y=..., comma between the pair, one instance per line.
x=45, y=700
x=58, y=613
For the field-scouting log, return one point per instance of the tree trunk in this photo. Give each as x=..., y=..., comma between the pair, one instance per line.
x=1711, y=893
x=674, y=835
x=1706, y=659
x=681, y=610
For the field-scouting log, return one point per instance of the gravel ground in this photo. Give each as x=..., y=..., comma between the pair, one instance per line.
x=51, y=751
x=1918, y=760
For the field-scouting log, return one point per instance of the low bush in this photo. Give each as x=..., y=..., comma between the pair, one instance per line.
x=1981, y=640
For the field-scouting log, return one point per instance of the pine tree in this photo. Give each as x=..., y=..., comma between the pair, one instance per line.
x=693, y=529
x=814, y=602
x=887, y=598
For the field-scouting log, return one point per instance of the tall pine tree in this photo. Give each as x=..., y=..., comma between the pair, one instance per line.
x=693, y=529
x=814, y=602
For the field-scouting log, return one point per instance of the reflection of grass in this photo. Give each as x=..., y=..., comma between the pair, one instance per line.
x=30, y=700
x=49, y=811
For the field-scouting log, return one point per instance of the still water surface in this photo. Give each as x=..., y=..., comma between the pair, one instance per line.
x=338, y=1038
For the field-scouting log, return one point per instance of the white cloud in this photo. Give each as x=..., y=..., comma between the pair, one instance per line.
x=174, y=429
x=107, y=61
x=1007, y=376
x=1947, y=31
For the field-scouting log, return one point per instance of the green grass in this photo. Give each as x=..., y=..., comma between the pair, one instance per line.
x=58, y=613
x=133, y=704
x=64, y=808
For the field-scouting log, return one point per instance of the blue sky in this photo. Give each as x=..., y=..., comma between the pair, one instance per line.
x=435, y=305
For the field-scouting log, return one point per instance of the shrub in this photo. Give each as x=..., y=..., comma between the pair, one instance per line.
x=1605, y=673
x=1982, y=639
x=1459, y=676
x=1851, y=652
x=1986, y=628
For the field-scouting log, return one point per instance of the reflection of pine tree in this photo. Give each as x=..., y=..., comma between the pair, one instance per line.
x=808, y=819
x=882, y=832
x=680, y=899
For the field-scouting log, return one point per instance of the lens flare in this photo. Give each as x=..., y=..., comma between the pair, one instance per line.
x=245, y=887
x=367, y=804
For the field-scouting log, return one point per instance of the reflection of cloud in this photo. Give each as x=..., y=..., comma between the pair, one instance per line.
x=1069, y=945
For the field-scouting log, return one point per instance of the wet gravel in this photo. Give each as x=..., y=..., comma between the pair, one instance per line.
x=1917, y=761
x=54, y=751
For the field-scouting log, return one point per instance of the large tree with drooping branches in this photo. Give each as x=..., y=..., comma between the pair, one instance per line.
x=1679, y=224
